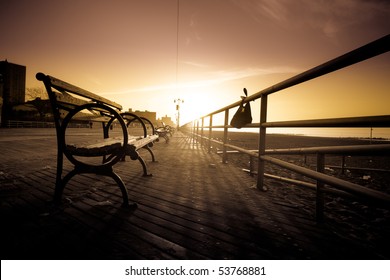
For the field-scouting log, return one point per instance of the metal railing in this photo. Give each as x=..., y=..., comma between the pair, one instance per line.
x=197, y=129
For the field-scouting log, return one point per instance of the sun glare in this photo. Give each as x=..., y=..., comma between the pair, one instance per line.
x=197, y=103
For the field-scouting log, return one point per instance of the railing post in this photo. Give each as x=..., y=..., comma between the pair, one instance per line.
x=193, y=132
x=262, y=136
x=197, y=131
x=201, y=132
x=210, y=132
x=225, y=136
x=320, y=186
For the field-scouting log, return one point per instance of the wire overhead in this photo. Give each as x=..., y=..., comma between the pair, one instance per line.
x=177, y=40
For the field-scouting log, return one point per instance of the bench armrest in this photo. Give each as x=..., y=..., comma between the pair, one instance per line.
x=108, y=112
x=130, y=117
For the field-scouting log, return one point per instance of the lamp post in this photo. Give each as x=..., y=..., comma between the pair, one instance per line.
x=178, y=101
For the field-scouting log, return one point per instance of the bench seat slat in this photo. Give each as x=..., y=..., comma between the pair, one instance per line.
x=108, y=146
x=144, y=141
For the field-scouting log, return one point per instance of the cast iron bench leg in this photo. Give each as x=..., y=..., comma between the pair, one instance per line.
x=62, y=183
x=151, y=153
x=144, y=167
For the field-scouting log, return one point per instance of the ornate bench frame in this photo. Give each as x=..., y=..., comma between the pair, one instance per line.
x=73, y=103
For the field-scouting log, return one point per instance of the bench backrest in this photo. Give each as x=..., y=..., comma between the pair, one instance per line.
x=64, y=97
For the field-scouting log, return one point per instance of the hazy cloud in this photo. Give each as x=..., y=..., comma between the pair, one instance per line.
x=196, y=64
x=193, y=34
x=217, y=77
x=329, y=17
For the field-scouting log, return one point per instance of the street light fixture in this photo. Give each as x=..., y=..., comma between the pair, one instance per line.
x=178, y=101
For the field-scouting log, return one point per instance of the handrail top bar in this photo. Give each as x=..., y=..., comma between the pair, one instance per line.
x=377, y=47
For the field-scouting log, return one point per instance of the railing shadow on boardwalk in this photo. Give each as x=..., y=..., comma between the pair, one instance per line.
x=193, y=207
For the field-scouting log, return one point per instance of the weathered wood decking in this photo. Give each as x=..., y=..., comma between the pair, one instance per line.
x=193, y=207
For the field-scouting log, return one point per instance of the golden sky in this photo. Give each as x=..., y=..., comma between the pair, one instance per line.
x=145, y=54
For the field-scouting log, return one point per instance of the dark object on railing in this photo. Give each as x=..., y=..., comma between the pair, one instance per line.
x=243, y=116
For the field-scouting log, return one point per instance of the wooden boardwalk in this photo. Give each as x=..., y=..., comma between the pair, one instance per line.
x=193, y=207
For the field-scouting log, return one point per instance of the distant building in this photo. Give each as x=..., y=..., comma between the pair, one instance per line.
x=152, y=116
x=12, y=88
x=166, y=120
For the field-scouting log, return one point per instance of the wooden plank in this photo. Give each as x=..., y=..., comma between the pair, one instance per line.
x=193, y=208
x=147, y=221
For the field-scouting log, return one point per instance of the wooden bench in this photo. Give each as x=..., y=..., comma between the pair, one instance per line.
x=91, y=151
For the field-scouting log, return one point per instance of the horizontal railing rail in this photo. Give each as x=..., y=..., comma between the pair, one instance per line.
x=198, y=129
